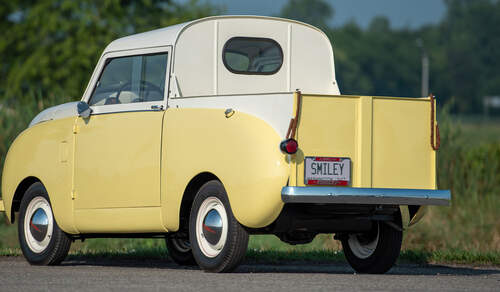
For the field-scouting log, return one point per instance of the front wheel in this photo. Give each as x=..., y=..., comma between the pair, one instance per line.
x=373, y=252
x=218, y=241
x=42, y=241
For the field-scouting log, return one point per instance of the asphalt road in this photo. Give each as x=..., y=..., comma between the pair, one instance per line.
x=119, y=275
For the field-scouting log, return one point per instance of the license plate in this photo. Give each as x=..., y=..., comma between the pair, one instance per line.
x=327, y=171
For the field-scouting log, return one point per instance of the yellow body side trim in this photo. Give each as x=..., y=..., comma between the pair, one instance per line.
x=2, y=207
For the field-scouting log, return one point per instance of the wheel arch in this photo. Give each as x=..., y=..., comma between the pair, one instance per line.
x=190, y=192
x=19, y=193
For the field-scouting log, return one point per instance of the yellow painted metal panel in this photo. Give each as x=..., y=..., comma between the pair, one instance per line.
x=117, y=160
x=242, y=151
x=387, y=139
x=2, y=207
x=37, y=152
x=119, y=220
x=364, y=138
x=402, y=154
x=327, y=127
x=118, y=175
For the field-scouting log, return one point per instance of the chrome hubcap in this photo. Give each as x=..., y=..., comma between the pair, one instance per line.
x=39, y=224
x=212, y=227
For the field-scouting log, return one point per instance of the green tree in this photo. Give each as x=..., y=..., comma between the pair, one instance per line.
x=51, y=46
x=376, y=61
x=471, y=31
x=315, y=12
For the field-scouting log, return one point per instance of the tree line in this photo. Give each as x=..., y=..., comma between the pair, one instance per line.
x=51, y=46
x=463, y=49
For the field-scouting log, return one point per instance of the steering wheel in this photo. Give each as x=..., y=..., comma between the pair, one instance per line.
x=148, y=85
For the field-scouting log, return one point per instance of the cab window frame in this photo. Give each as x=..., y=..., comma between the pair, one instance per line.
x=129, y=107
x=256, y=39
x=109, y=60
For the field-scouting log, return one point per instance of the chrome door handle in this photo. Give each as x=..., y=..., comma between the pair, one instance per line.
x=157, y=107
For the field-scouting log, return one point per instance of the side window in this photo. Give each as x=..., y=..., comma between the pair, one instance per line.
x=131, y=79
x=244, y=55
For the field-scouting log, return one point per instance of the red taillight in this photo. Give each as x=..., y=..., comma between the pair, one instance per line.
x=289, y=146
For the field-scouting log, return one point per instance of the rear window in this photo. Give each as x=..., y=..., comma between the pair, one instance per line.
x=243, y=55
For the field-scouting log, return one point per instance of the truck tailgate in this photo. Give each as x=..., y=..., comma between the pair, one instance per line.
x=386, y=138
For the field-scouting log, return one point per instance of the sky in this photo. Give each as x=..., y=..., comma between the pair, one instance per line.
x=401, y=13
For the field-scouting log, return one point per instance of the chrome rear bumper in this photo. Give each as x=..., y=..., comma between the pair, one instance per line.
x=346, y=195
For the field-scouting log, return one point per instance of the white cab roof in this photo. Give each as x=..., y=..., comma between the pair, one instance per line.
x=197, y=48
x=168, y=35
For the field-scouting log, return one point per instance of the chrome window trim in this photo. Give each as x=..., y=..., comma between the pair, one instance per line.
x=129, y=107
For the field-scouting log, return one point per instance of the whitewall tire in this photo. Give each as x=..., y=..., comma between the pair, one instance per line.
x=376, y=251
x=42, y=241
x=218, y=241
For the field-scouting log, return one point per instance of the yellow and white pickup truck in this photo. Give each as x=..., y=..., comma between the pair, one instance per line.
x=206, y=132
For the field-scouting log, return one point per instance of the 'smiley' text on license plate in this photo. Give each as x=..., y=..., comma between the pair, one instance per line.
x=327, y=171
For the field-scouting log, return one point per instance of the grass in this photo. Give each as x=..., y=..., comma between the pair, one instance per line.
x=280, y=257
x=477, y=129
x=468, y=165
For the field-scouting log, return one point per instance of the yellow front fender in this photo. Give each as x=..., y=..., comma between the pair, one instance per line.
x=44, y=152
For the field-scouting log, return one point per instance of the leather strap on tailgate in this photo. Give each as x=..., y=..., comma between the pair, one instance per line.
x=436, y=145
x=292, y=127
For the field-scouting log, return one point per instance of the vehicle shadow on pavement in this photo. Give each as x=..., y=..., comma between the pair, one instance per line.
x=301, y=267
x=342, y=268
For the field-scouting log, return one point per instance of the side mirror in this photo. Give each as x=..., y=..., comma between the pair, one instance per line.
x=84, y=109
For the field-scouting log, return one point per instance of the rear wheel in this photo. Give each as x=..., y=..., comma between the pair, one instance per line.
x=374, y=252
x=42, y=241
x=218, y=241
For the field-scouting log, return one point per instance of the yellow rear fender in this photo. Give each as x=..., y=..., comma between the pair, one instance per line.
x=42, y=153
x=242, y=151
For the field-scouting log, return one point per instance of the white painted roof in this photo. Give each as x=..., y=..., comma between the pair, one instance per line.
x=170, y=34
